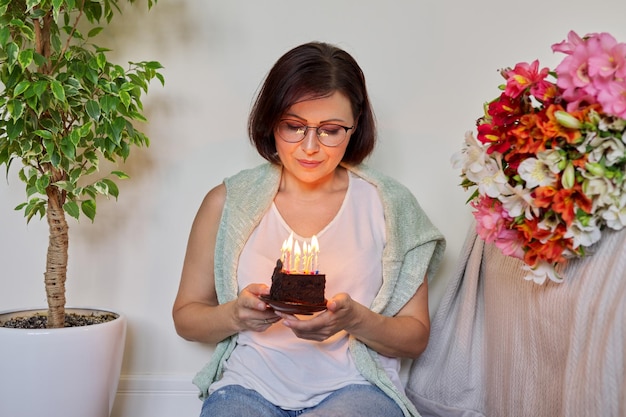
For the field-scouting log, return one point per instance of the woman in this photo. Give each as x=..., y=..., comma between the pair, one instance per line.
x=313, y=122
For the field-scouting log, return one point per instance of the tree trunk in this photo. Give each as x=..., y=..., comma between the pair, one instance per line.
x=56, y=261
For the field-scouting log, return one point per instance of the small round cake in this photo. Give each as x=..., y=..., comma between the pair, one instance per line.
x=297, y=288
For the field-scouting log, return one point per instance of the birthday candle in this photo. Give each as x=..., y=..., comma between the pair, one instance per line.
x=289, y=249
x=305, y=258
x=296, y=264
x=315, y=249
x=283, y=250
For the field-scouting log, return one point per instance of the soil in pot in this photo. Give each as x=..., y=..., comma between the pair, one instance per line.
x=39, y=321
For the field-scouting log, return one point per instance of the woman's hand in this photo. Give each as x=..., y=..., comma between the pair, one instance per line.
x=251, y=313
x=337, y=317
x=404, y=335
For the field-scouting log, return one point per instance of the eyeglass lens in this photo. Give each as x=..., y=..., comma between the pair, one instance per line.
x=328, y=134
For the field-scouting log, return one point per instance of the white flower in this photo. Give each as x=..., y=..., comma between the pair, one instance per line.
x=491, y=180
x=541, y=272
x=600, y=190
x=536, y=173
x=582, y=147
x=614, y=124
x=615, y=215
x=553, y=160
x=612, y=149
x=519, y=201
x=582, y=235
x=473, y=160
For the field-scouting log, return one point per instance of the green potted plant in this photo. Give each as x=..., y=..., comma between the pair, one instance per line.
x=65, y=108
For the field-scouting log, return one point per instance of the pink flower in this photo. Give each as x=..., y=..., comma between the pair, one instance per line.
x=567, y=47
x=573, y=76
x=510, y=243
x=593, y=72
x=523, y=76
x=613, y=99
x=490, y=217
x=606, y=56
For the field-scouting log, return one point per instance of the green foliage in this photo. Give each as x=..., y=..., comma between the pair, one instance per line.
x=64, y=108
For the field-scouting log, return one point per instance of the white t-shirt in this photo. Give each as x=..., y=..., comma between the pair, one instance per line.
x=293, y=373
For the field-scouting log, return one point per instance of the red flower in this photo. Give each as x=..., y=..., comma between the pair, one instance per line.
x=563, y=201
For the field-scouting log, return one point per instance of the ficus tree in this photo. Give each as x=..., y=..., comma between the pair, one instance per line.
x=64, y=109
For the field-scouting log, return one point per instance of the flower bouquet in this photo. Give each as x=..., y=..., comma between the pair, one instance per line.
x=547, y=165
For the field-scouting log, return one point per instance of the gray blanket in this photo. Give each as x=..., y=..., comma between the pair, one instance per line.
x=501, y=346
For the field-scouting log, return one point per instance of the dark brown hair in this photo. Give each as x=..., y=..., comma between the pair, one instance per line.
x=312, y=70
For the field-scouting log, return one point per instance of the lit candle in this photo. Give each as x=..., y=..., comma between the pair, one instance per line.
x=288, y=250
x=283, y=251
x=296, y=264
x=315, y=251
x=295, y=259
x=305, y=257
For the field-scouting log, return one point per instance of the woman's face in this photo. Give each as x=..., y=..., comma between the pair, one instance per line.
x=309, y=160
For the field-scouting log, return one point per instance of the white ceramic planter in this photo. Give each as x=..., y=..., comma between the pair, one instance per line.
x=69, y=372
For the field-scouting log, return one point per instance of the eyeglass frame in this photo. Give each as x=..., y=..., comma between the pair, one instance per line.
x=317, y=133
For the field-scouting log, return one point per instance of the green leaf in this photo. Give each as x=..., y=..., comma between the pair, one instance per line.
x=55, y=158
x=93, y=109
x=102, y=61
x=116, y=129
x=12, y=52
x=16, y=108
x=74, y=137
x=49, y=145
x=25, y=58
x=154, y=65
x=21, y=87
x=41, y=183
x=89, y=208
x=57, y=4
x=57, y=90
x=120, y=174
x=39, y=59
x=43, y=134
x=4, y=34
x=32, y=3
x=71, y=208
x=40, y=87
x=113, y=190
x=94, y=32
x=34, y=206
x=101, y=187
x=75, y=174
x=85, y=130
x=108, y=103
x=125, y=98
x=65, y=185
x=68, y=148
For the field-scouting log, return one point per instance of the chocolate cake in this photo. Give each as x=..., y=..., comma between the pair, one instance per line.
x=297, y=288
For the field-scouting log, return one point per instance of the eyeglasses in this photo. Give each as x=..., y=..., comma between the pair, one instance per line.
x=329, y=134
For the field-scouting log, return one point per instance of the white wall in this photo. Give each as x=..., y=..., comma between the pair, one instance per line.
x=430, y=66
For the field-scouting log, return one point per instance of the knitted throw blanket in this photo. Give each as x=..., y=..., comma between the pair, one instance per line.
x=501, y=346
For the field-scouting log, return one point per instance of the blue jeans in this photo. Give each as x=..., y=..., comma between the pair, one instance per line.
x=351, y=401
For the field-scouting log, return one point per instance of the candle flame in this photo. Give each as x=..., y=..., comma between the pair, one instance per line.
x=296, y=259
x=315, y=246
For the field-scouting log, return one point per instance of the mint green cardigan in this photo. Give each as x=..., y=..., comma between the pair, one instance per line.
x=414, y=250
